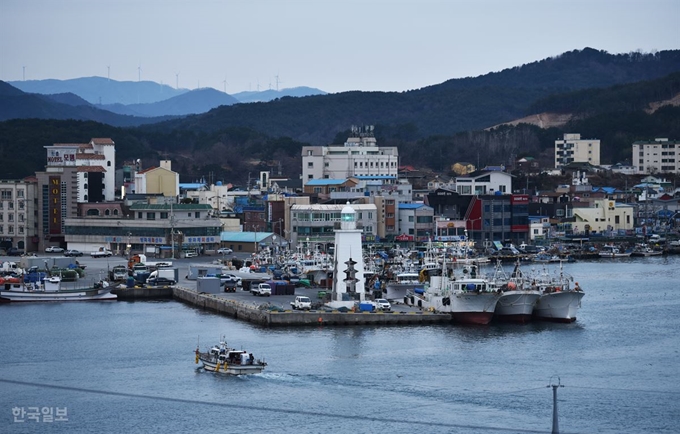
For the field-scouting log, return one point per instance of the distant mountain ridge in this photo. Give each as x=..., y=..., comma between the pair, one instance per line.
x=192, y=102
x=15, y=104
x=150, y=99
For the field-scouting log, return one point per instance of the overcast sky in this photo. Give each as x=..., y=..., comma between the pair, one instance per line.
x=333, y=45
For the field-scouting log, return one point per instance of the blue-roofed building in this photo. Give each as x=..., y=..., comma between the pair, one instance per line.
x=250, y=241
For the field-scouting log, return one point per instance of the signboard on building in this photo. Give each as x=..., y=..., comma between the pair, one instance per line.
x=519, y=199
x=201, y=240
x=61, y=156
x=54, y=205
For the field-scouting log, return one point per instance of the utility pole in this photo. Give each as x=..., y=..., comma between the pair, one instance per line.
x=555, y=424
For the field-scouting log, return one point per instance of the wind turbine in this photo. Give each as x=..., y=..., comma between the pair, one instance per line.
x=176, y=80
x=277, y=82
x=139, y=73
x=108, y=72
x=23, y=68
x=225, y=84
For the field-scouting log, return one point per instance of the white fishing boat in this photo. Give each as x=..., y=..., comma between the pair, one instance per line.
x=223, y=359
x=517, y=302
x=610, y=251
x=49, y=289
x=469, y=298
x=559, y=300
x=644, y=250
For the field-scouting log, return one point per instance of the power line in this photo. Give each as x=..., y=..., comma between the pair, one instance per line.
x=353, y=417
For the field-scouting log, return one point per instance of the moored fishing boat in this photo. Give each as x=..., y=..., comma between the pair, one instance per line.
x=49, y=289
x=559, y=300
x=610, y=251
x=517, y=301
x=470, y=299
x=223, y=359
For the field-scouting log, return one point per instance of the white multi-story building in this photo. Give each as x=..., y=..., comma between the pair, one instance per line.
x=316, y=223
x=358, y=156
x=17, y=214
x=573, y=149
x=656, y=156
x=484, y=182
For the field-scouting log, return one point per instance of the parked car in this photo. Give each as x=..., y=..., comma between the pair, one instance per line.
x=13, y=251
x=160, y=281
x=73, y=252
x=224, y=251
x=54, y=249
x=190, y=254
x=383, y=304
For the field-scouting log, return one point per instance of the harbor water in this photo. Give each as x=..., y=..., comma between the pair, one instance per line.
x=128, y=367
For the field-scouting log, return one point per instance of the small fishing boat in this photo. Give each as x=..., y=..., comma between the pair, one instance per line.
x=223, y=359
x=49, y=289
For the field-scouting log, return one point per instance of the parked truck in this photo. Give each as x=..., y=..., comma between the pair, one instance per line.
x=118, y=273
x=163, y=276
x=262, y=289
x=101, y=252
x=301, y=303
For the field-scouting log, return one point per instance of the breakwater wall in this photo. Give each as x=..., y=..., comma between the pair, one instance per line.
x=143, y=293
x=266, y=317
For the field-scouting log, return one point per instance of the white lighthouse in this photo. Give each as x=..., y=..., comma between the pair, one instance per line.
x=348, y=264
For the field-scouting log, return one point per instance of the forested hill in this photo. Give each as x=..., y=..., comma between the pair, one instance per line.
x=448, y=108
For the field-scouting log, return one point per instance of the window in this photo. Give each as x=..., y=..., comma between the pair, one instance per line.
x=10, y=230
x=20, y=193
x=21, y=229
x=21, y=217
x=21, y=204
x=139, y=215
x=164, y=215
x=6, y=195
x=310, y=165
x=151, y=216
x=197, y=214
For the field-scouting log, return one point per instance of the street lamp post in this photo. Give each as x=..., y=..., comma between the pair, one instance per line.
x=255, y=239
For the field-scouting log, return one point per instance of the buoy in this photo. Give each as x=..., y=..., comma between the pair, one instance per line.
x=217, y=367
x=196, y=356
x=320, y=320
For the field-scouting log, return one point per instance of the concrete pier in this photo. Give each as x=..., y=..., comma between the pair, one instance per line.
x=277, y=317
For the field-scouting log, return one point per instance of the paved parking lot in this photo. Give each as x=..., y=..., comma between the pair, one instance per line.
x=97, y=268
